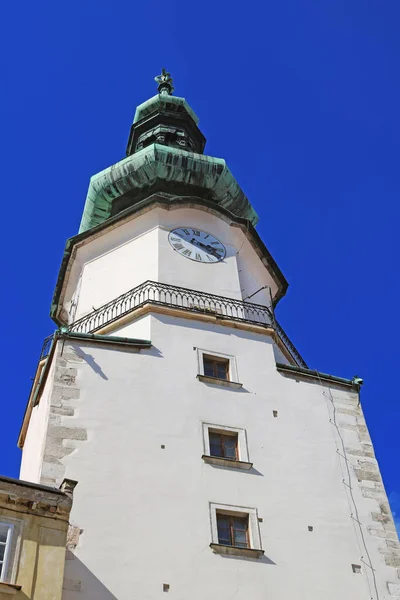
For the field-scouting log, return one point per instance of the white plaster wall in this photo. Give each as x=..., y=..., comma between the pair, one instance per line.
x=138, y=329
x=116, y=271
x=139, y=250
x=144, y=511
x=32, y=454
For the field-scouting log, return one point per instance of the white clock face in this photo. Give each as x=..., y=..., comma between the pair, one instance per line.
x=197, y=245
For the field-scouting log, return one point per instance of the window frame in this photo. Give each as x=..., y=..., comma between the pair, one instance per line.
x=214, y=360
x=242, y=461
x=254, y=549
x=232, y=529
x=224, y=434
x=7, y=552
x=232, y=371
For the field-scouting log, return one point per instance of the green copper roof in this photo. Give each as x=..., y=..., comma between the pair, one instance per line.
x=160, y=102
x=157, y=162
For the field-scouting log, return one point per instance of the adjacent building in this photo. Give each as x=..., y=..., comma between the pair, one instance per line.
x=34, y=533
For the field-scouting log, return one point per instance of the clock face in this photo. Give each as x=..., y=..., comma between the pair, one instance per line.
x=197, y=245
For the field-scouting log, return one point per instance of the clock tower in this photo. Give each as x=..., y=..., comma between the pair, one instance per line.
x=211, y=460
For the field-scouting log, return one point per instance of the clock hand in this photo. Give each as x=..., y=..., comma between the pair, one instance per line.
x=209, y=248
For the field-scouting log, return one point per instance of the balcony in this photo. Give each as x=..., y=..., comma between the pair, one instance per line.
x=161, y=294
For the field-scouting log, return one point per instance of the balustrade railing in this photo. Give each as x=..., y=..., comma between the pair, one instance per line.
x=152, y=292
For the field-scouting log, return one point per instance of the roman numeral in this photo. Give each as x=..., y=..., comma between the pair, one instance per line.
x=206, y=236
x=178, y=246
x=186, y=231
x=187, y=252
x=215, y=243
x=198, y=256
x=196, y=232
x=210, y=258
x=175, y=239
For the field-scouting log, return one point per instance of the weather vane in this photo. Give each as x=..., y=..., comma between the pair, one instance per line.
x=164, y=82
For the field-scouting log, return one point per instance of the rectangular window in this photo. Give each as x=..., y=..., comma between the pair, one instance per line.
x=224, y=445
x=233, y=531
x=5, y=543
x=216, y=367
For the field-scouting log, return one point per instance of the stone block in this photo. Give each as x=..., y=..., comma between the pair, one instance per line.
x=385, y=508
x=394, y=588
x=72, y=353
x=54, y=419
x=52, y=471
x=379, y=533
x=372, y=493
x=389, y=526
x=73, y=537
x=64, y=392
x=71, y=433
x=348, y=426
x=368, y=465
x=369, y=451
x=380, y=518
x=64, y=411
x=362, y=474
x=362, y=429
x=54, y=451
x=355, y=452
x=65, y=376
x=347, y=411
x=353, y=401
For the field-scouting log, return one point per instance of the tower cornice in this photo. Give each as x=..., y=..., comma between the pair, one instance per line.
x=166, y=202
x=159, y=164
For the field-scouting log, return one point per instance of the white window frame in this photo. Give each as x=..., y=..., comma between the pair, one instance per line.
x=224, y=429
x=233, y=370
x=7, y=553
x=237, y=511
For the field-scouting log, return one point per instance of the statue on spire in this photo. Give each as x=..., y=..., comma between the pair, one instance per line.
x=164, y=81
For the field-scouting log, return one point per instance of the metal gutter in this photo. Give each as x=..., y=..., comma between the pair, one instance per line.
x=317, y=375
x=105, y=339
x=36, y=486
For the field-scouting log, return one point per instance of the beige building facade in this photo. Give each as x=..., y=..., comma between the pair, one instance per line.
x=34, y=524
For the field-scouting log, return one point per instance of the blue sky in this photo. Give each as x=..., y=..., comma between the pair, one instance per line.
x=302, y=100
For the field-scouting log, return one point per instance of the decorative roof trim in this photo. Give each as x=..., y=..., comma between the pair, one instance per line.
x=32, y=498
x=160, y=101
x=313, y=374
x=144, y=168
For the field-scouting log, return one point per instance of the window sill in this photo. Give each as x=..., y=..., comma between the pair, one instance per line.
x=218, y=381
x=234, y=551
x=227, y=462
x=9, y=588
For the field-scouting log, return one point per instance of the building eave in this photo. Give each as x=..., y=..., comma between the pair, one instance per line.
x=301, y=372
x=143, y=169
x=36, y=499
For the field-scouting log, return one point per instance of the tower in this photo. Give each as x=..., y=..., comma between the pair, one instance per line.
x=211, y=460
